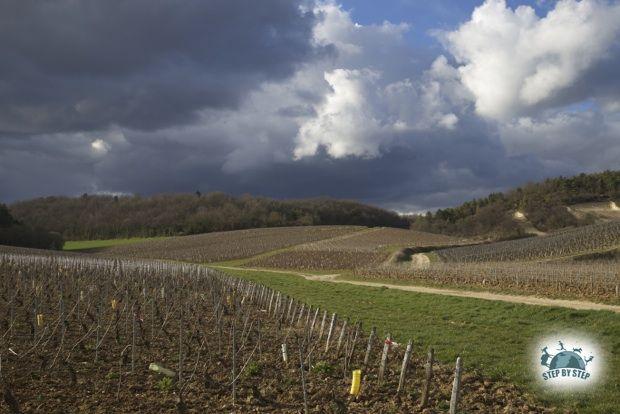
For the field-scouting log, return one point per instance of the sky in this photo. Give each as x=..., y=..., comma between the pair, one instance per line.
x=405, y=104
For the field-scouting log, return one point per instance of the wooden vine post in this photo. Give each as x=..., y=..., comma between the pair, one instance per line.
x=290, y=305
x=456, y=387
x=330, y=332
x=301, y=314
x=308, y=316
x=403, y=368
x=384, y=355
x=303, y=378
x=322, y=325
x=343, y=332
x=316, y=313
x=270, y=301
x=428, y=377
x=371, y=338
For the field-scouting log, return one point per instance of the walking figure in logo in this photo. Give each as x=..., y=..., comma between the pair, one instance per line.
x=561, y=346
x=545, y=357
x=588, y=359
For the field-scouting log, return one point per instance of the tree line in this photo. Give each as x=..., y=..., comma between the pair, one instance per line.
x=104, y=216
x=15, y=233
x=544, y=204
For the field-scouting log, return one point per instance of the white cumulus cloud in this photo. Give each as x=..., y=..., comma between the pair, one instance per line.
x=374, y=91
x=513, y=60
x=348, y=122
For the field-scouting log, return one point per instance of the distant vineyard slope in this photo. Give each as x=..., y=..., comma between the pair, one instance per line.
x=363, y=248
x=545, y=205
x=221, y=246
x=105, y=217
x=568, y=243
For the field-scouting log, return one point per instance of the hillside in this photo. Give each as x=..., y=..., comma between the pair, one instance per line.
x=103, y=217
x=219, y=246
x=572, y=242
x=363, y=248
x=535, y=207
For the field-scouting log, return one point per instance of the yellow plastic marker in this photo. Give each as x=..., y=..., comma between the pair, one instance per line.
x=39, y=319
x=113, y=304
x=355, y=382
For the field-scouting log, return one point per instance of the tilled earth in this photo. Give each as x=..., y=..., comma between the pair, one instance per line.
x=204, y=326
x=267, y=385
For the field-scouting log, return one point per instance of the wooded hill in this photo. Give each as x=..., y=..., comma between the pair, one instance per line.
x=101, y=217
x=15, y=233
x=544, y=204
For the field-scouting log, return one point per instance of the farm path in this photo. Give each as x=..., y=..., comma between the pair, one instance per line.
x=525, y=300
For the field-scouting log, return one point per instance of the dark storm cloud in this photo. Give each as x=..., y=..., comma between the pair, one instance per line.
x=432, y=170
x=144, y=64
x=423, y=172
x=151, y=96
x=405, y=178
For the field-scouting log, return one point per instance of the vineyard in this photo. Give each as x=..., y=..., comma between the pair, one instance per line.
x=360, y=249
x=596, y=281
x=220, y=246
x=317, y=260
x=381, y=238
x=582, y=240
x=99, y=335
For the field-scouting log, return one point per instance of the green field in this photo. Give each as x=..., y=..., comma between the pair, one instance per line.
x=85, y=245
x=494, y=338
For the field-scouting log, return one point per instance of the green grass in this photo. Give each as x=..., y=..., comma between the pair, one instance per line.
x=494, y=338
x=84, y=245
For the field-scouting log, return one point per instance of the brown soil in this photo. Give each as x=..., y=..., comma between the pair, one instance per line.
x=47, y=371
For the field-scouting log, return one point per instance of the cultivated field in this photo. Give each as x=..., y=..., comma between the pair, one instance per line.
x=35, y=252
x=572, y=242
x=83, y=329
x=317, y=260
x=220, y=246
x=535, y=265
x=598, y=281
x=380, y=239
x=365, y=248
x=95, y=335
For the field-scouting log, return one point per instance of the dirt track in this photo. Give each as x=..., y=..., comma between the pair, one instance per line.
x=526, y=300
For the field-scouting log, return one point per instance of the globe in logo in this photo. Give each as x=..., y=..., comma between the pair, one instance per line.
x=564, y=363
x=567, y=359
